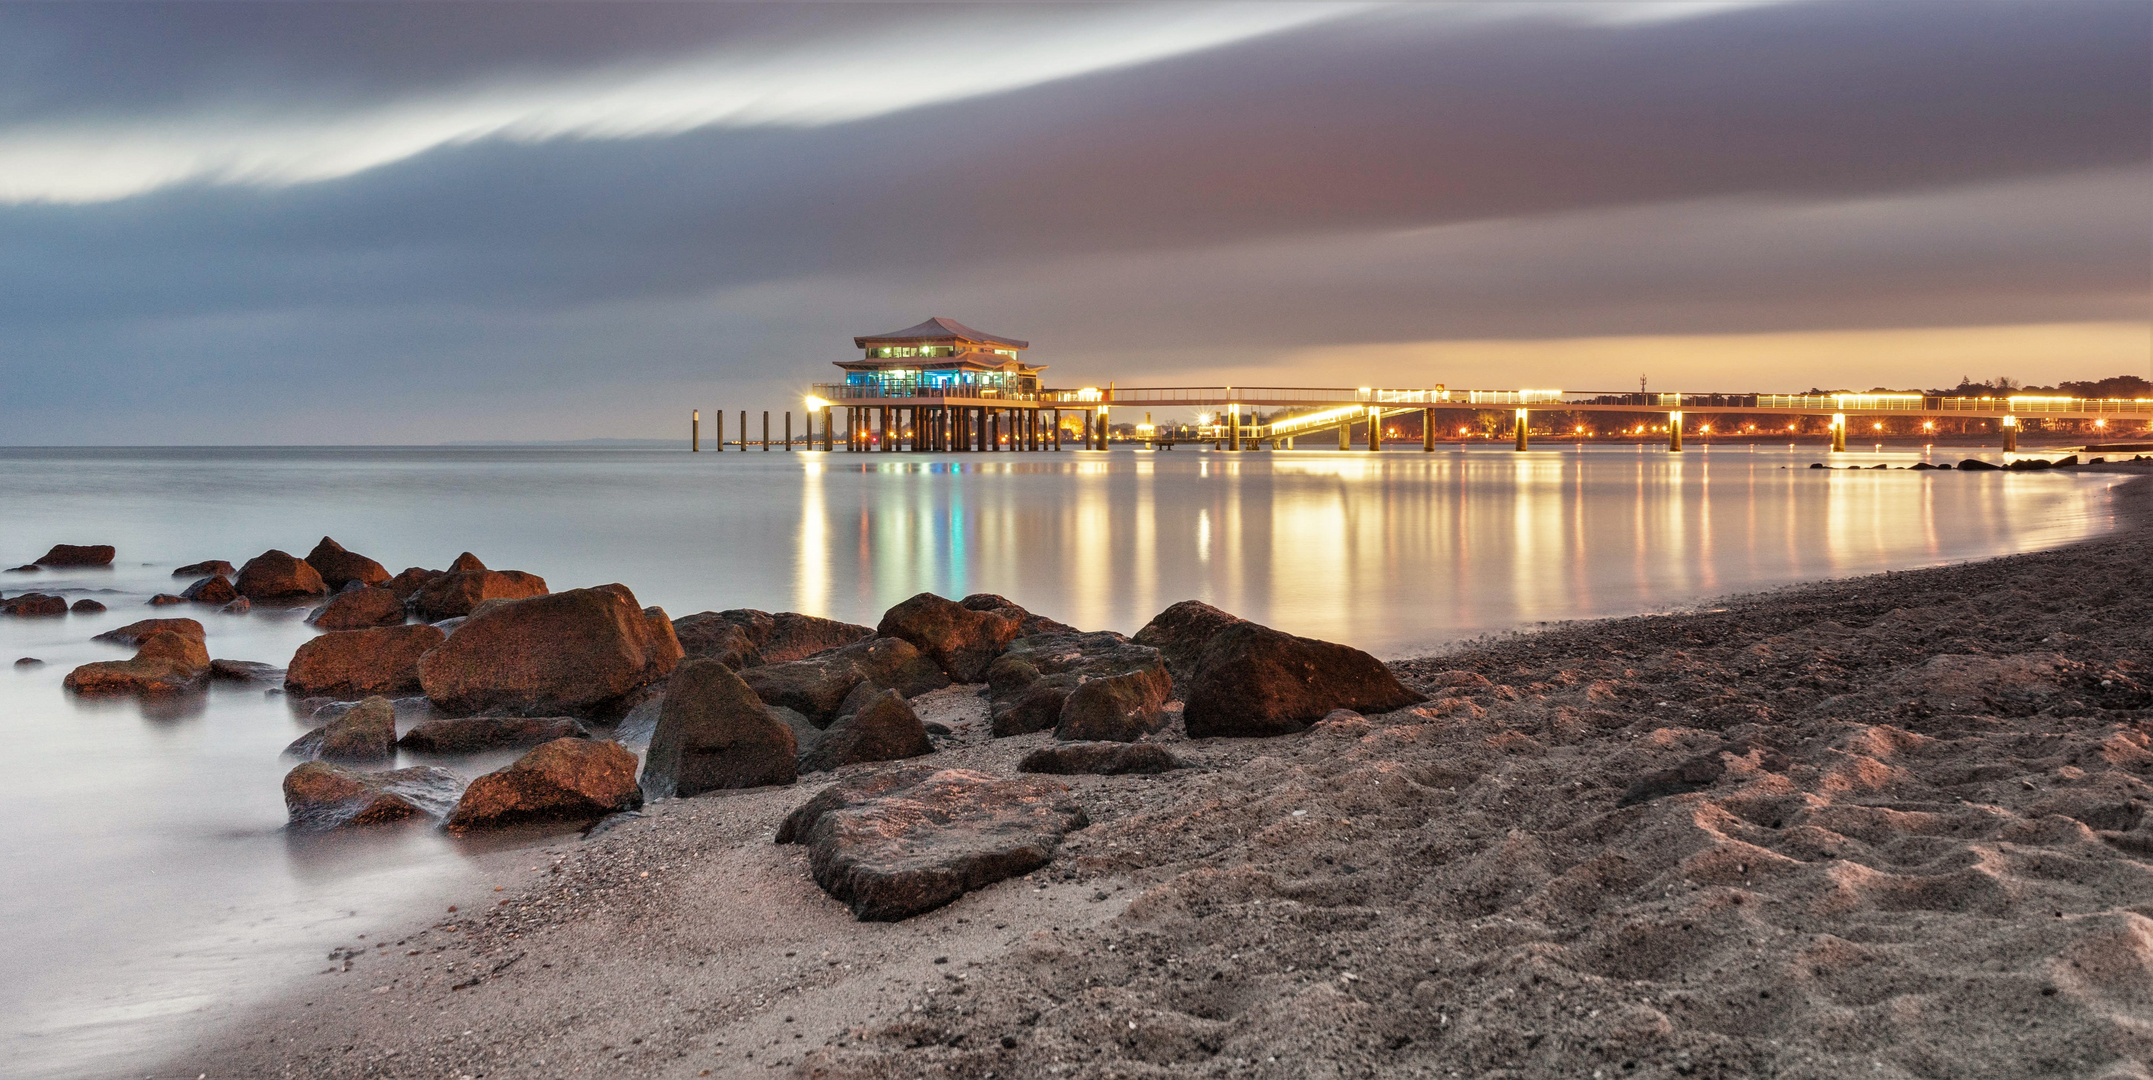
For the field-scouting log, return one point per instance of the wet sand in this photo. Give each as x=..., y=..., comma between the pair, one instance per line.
x=1890, y=827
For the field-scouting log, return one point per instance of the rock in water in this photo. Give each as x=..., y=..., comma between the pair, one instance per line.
x=244, y=671
x=1180, y=634
x=365, y=733
x=31, y=603
x=1101, y=758
x=318, y=795
x=339, y=567
x=714, y=733
x=28, y=661
x=406, y=585
x=166, y=600
x=359, y=609
x=915, y=848
x=237, y=607
x=564, y=780
x=205, y=568
x=86, y=606
x=211, y=590
x=467, y=584
x=1255, y=681
x=575, y=653
x=817, y=686
x=166, y=663
x=354, y=663
x=275, y=575
x=471, y=734
x=1118, y=708
x=135, y=633
x=959, y=639
x=884, y=729
x=73, y=555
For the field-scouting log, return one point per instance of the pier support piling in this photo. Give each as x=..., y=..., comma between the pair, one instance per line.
x=1674, y=433
x=743, y=431
x=717, y=431
x=2010, y=434
x=1522, y=423
x=788, y=431
x=1375, y=428
x=766, y=431
x=1838, y=433
x=695, y=431
x=1427, y=431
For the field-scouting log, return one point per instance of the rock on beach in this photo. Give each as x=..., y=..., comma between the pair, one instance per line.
x=319, y=795
x=713, y=733
x=1252, y=680
x=817, y=686
x=354, y=663
x=575, y=653
x=911, y=849
x=962, y=641
x=211, y=590
x=883, y=728
x=563, y=780
x=472, y=734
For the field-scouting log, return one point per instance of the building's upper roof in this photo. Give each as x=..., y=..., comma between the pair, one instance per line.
x=937, y=329
x=970, y=359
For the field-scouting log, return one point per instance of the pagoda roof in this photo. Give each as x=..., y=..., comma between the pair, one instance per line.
x=975, y=359
x=937, y=329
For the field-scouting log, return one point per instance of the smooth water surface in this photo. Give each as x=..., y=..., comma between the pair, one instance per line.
x=150, y=886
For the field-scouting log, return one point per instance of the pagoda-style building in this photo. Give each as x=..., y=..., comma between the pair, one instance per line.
x=941, y=385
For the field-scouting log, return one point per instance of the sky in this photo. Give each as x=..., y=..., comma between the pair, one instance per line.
x=308, y=222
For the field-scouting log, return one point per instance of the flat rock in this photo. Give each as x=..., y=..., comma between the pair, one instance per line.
x=77, y=555
x=276, y=575
x=206, y=568
x=713, y=733
x=244, y=671
x=461, y=591
x=86, y=606
x=563, y=780
x=211, y=590
x=850, y=791
x=913, y=849
x=355, y=663
x=166, y=663
x=576, y=653
x=1101, y=759
x=884, y=728
x=339, y=567
x=1253, y=681
x=135, y=633
x=31, y=603
x=472, y=734
x=1180, y=634
x=366, y=732
x=816, y=687
x=1118, y=708
x=359, y=609
x=318, y=795
x=963, y=642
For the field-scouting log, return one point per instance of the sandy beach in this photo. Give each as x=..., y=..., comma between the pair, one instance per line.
x=1889, y=827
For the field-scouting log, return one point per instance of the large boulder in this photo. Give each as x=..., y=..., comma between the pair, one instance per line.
x=406, y=585
x=1180, y=634
x=472, y=734
x=355, y=663
x=339, y=567
x=962, y=641
x=135, y=633
x=77, y=555
x=913, y=848
x=276, y=575
x=366, y=732
x=884, y=728
x=1101, y=759
x=205, y=568
x=1028, y=686
x=166, y=663
x=563, y=780
x=714, y=733
x=211, y=590
x=1253, y=681
x=32, y=603
x=318, y=795
x=467, y=584
x=710, y=635
x=1116, y=708
x=359, y=609
x=576, y=653
x=817, y=686
x=1028, y=624
x=794, y=636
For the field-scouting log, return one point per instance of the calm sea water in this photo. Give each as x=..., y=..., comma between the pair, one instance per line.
x=150, y=887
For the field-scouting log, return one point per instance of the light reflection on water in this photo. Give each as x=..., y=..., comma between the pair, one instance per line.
x=150, y=886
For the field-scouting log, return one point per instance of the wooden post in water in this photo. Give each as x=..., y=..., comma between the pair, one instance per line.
x=743, y=431
x=1838, y=433
x=717, y=441
x=1523, y=421
x=788, y=431
x=1345, y=433
x=695, y=431
x=766, y=431
x=1427, y=431
x=829, y=420
x=1674, y=432
x=2010, y=434
x=1375, y=428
